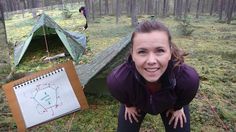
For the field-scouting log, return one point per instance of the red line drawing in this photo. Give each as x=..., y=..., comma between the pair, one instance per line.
x=47, y=98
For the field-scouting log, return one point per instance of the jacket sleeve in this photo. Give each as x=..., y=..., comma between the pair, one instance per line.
x=187, y=84
x=117, y=84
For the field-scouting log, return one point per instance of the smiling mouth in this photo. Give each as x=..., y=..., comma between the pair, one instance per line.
x=151, y=69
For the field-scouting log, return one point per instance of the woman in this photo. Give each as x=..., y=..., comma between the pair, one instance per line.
x=153, y=80
x=83, y=11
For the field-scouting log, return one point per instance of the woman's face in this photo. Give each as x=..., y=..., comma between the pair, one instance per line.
x=151, y=54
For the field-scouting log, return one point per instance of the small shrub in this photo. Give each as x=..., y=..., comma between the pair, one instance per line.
x=152, y=17
x=66, y=14
x=220, y=21
x=185, y=28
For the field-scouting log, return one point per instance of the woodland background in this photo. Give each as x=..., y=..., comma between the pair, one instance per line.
x=206, y=29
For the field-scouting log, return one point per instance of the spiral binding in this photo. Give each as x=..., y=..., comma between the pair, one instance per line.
x=28, y=81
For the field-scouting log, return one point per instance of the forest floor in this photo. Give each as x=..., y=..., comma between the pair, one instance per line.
x=212, y=51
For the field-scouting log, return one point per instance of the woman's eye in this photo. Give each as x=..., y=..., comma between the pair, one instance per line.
x=141, y=52
x=160, y=50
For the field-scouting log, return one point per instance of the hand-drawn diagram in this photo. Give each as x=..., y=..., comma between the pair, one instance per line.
x=47, y=98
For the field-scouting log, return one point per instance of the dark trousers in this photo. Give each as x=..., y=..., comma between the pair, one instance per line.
x=86, y=25
x=126, y=126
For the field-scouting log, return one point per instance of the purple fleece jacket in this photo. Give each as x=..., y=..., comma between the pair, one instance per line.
x=179, y=87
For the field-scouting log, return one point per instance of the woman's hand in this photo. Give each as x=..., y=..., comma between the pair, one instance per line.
x=177, y=116
x=131, y=112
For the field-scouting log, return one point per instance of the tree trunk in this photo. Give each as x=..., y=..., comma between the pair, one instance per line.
x=17, y=4
x=150, y=7
x=100, y=7
x=156, y=8
x=175, y=8
x=25, y=4
x=227, y=7
x=63, y=4
x=112, y=7
x=189, y=6
x=128, y=7
x=231, y=11
x=212, y=7
x=221, y=9
x=198, y=6
x=106, y=7
x=9, y=6
x=146, y=6
x=234, y=10
x=203, y=6
x=117, y=10
x=186, y=8
x=13, y=5
x=164, y=8
x=22, y=7
x=4, y=53
x=207, y=5
x=93, y=10
x=46, y=2
x=179, y=9
x=167, y=6
x=123, y=7
x=159, y=7
x=33, y=11
x=134, y=19
x=216, y=5
x=42, y=5
x=51, y=5
x=141, y=6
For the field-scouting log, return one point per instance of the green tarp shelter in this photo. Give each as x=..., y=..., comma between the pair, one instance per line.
x=93, y=75
x=74, y=43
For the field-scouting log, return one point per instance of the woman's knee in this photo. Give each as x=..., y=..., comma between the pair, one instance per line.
x=170, y=127
x=126, y=125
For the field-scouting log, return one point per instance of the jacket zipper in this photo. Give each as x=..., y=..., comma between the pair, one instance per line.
x=150, y=98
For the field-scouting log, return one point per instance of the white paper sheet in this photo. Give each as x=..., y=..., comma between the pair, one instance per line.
x=46, y=97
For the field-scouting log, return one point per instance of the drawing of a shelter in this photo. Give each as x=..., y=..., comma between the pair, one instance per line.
x=47, y=98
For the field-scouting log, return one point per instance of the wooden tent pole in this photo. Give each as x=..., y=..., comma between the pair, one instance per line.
x=45, y=39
